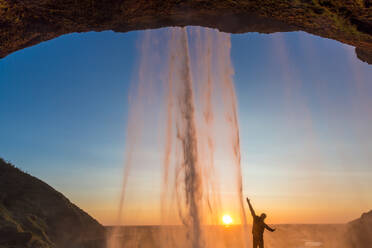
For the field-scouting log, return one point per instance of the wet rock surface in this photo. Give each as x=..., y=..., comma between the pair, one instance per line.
x=26, y=23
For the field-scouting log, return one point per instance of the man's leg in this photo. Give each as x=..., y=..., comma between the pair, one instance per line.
x=261, y=243
x=255, y=243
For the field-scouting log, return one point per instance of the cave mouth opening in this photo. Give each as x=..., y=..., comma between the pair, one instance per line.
x=304, y=83
x=321, y=103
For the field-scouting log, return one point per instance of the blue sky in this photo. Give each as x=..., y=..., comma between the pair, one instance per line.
x=304, y=110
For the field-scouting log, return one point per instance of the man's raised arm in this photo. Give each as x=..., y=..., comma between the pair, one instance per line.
x=251, y=208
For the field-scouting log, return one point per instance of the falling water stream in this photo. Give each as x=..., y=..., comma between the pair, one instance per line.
x=186, y=77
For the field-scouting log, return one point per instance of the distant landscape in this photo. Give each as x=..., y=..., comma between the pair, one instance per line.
x=296, y=236
x=33, y=214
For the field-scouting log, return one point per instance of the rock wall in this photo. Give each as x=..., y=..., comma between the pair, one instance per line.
x=29, y=22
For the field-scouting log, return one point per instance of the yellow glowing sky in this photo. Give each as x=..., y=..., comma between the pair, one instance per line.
x=285, y=198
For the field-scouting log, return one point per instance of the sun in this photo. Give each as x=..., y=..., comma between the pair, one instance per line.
x=226, y=219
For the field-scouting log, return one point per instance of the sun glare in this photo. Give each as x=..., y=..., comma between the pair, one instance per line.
x=226, y=219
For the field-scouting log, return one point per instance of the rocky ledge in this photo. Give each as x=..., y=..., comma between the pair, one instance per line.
x=26, y=23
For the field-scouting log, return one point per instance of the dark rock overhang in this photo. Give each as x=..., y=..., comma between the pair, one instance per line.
x=24, y=23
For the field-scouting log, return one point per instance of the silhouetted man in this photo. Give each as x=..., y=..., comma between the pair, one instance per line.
x=258, y=227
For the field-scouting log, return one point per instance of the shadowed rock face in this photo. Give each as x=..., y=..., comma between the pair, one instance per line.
x=33, y=214
x=29, y=22
x=360, y=231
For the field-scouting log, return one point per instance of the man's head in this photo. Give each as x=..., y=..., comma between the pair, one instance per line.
x=263, y=216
